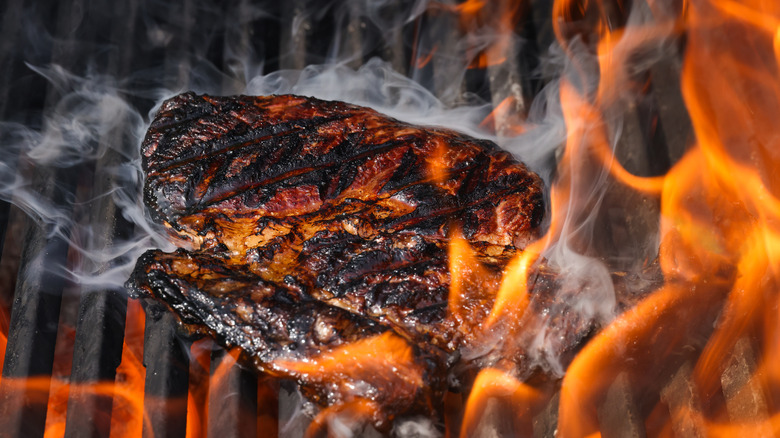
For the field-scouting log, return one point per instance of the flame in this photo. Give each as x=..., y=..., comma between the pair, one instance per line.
x=200, y=385
x=719, y=250
x=384, y=358
x=512, y=297
x=506, y=118
x=423, y=59
x=437, y=164
x=493, y=384
x=470, y=7
x=479, y=20
x=128, y=415
x=719, y=226
x=462, y=259
x=4, y=320
x=472, y=285
x=127, y=391
x=363, y=358
x=720, y=236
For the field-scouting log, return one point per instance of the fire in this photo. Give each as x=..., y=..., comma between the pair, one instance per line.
x=513, y=295
x=437, y=165
x=382, y=361
x=128, y=414
x=361, y=358
x=493, y=384
x=713, y=316
x=718, y=221
x=472, y=286
x=424, y=59
x=488, y=26
x=505, y=119
x=4, y=318
x=126, y=394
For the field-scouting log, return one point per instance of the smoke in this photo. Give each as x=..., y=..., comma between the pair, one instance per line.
x=96, y=112
x=91, y=124
x=602, y=228
x=100, y=100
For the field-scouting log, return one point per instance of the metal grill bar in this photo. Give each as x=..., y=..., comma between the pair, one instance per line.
x=240, y=405
x=100, y=328
x=38, y=294
x=232, y=399
x=32, y=333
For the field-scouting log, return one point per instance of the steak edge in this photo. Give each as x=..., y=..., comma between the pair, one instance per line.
x=318, y=229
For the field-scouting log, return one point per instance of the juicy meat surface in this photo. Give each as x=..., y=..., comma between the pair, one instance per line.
x=320, y=229
x=285, y=332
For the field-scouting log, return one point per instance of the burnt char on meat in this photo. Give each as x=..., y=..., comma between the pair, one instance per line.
x=283, y=331
x=317, y=226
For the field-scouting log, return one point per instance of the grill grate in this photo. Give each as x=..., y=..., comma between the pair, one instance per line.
x=128, y=37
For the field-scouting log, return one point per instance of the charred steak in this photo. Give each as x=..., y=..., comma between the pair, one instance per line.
x=319, y=230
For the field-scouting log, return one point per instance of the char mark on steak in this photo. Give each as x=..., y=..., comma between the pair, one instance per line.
x=319, y=227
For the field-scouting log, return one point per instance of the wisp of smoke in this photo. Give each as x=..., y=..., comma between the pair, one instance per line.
x=98, y=120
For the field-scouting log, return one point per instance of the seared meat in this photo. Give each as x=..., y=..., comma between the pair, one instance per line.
x=321, y=226
x=268, y=172
x=285, y=332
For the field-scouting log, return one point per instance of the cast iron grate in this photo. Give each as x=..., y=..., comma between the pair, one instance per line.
x=118, y=39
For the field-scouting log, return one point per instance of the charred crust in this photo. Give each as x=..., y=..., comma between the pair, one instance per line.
x=317, y=224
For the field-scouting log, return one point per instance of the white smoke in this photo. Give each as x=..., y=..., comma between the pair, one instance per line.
x=99, y=118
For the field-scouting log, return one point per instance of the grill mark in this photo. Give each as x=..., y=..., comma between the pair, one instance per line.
x=179, y=162
x=398, y=222
x=415, y=217
x=205, y=106
x=399, y=266
x=409, y=158
x=406, y=294
x=252, y=137
x=180, y=103
x=173, y=123
x=296, y=172
x=175, y=163
x=399, y=325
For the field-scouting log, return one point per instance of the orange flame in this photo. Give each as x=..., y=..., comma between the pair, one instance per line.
x=437, y=164
x=360, y=358
x=423, y=59
x=385, y=357
x=127, y=391
x=494, y=384
x=512, y=297
x=719, y=248
x=128, y=415
x=479, y=20
x=505, y=118
x=719, y=220
x=462, y=260
x=200, y=385
x=4, y=319
x=472, y=286
x=720, y=236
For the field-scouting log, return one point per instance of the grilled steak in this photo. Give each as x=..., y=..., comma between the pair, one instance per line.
x=285, y=332
x=319, y=226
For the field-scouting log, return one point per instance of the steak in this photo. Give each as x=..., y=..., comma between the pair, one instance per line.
x=317, y=229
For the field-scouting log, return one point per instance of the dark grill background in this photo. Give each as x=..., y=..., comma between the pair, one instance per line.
x=187, y=44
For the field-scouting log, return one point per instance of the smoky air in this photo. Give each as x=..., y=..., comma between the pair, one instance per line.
x=637, y=139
